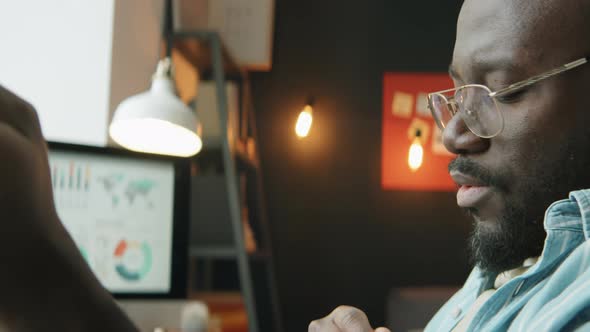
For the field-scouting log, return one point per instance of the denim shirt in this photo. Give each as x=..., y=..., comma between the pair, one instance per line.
x=552, y=295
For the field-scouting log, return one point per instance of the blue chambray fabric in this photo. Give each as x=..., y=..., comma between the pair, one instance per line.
x=553, y=295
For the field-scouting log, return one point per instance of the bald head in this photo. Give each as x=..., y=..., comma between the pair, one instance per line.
x=535, y=31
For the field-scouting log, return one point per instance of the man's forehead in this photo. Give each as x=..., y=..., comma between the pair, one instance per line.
x=519, y=32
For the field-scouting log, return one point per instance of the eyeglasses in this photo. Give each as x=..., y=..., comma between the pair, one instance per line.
x=477, y=104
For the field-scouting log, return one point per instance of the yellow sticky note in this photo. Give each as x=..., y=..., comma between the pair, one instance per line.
x=402, y=104
x=422, y=105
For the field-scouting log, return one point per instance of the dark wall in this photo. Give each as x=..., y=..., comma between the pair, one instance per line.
x=338, y=237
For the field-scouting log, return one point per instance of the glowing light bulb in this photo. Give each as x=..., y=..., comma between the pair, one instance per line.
x=416, y=155
x=304, y=122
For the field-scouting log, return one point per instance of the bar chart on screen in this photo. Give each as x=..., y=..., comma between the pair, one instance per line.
x=71, y=183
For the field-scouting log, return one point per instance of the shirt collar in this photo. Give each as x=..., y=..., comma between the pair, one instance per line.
x=582, y=198
x=564, y=214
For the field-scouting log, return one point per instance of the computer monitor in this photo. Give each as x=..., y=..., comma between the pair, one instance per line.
x=128, y=214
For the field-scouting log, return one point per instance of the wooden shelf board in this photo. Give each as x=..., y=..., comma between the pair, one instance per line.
x=224, y=252
x=227, y=307
x=198, y=53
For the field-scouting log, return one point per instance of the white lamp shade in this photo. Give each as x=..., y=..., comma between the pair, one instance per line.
x=157, y=121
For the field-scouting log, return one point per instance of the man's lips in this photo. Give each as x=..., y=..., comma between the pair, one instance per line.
x=470, y=196
x=471, y=190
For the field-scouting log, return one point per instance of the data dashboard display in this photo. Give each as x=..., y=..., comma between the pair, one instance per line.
x=119, y=211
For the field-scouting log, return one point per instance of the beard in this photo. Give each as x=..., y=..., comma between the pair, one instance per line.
x=517, y=233
x=506, y=243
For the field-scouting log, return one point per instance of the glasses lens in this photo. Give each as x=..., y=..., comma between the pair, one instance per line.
x=440, y=110
x=479, y=111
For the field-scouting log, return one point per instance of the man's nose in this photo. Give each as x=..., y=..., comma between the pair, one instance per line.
x=458, y=139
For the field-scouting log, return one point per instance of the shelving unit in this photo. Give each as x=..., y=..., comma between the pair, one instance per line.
x=227, y=194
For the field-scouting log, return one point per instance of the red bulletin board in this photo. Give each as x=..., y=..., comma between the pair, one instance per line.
x=405, y=107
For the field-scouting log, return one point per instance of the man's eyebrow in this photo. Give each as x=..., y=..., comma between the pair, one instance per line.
x=482, y=67
x=504, y=64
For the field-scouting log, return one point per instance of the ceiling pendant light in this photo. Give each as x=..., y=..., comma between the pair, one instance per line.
x=416, y=152
x=157, y=121
x=304, y=122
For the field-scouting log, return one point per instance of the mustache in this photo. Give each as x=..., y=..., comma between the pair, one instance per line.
x=477, y=171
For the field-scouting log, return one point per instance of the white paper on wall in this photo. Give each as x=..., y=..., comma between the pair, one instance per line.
x=245, y=26
x=76, y=60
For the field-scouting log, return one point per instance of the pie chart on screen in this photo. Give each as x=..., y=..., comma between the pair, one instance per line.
x=133, y=260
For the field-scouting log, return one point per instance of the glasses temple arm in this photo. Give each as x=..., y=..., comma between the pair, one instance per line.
x=540, y=77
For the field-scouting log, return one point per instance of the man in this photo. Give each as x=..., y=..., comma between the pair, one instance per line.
x=519, y=149
x=522, y=141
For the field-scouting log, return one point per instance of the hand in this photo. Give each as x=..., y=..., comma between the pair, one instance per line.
x=44, y=281
x=28, y=221
x=24, y=173
x=31, y=235
x=344, y=319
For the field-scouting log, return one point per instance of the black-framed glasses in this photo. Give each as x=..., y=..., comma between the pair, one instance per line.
x=477, y=105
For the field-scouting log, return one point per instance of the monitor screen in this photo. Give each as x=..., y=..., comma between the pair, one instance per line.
x=121, y=209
